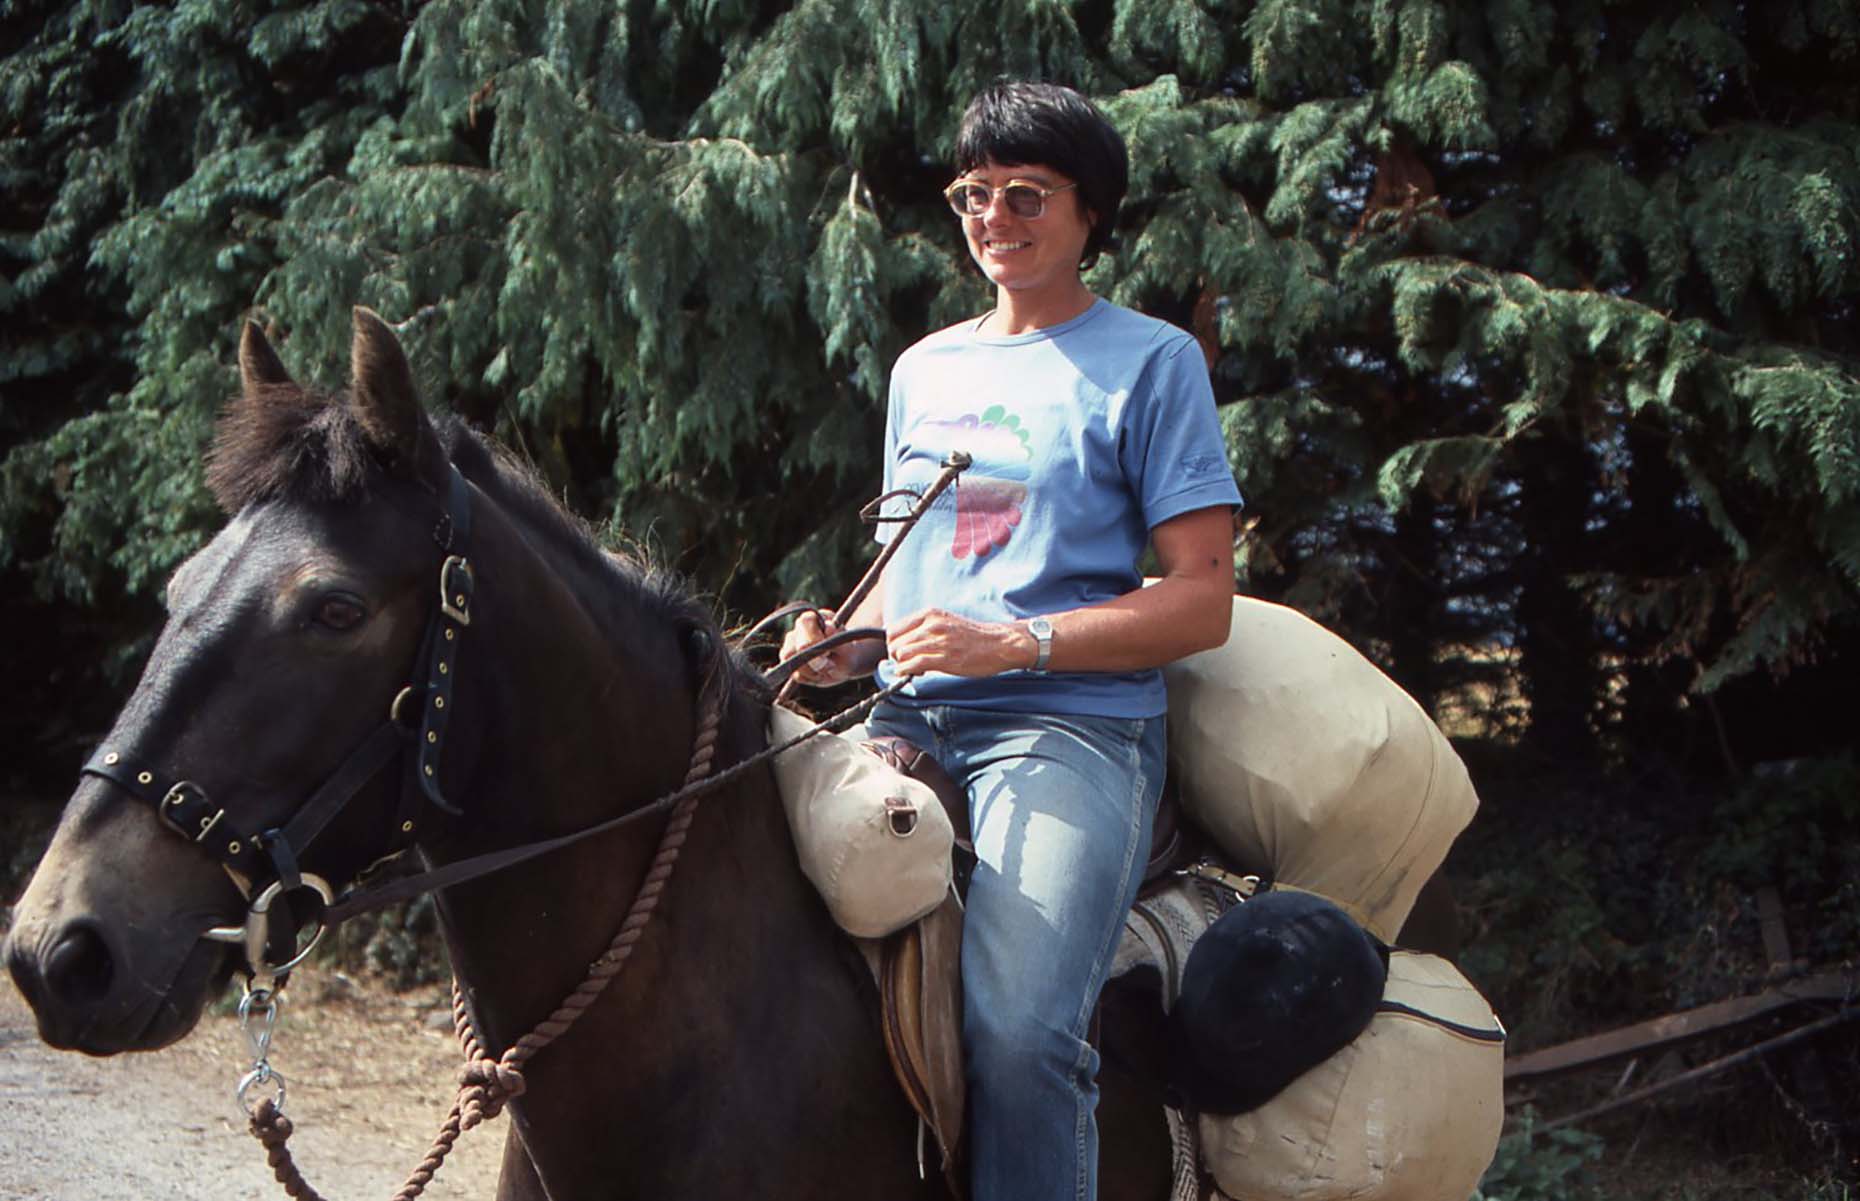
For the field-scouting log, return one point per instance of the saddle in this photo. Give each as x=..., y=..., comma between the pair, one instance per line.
x=918, y=969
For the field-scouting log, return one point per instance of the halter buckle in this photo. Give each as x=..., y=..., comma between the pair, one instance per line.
x=455, y=584
x=185, y=793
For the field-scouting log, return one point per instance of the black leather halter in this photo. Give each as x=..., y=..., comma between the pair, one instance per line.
x=266, y=862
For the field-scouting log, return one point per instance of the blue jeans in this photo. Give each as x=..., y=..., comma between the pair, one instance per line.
x=1061, y=809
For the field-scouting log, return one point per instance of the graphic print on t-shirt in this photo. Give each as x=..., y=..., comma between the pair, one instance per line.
x=989, y=495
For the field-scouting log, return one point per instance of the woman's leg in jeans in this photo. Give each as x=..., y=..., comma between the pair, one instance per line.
x=1061, y=810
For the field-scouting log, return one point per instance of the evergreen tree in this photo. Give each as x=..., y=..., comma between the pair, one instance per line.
x=1532, y=322
x=148, y=154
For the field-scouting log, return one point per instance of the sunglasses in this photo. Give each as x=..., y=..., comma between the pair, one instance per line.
x=971, y=198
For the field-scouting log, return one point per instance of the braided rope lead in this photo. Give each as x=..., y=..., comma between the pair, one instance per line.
x=486, y=1085
x=271, y=1128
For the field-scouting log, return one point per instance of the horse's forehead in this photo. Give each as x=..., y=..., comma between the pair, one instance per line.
x=206, y=570
x=261, y=544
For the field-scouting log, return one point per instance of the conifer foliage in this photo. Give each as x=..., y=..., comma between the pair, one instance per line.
x=1533, y=322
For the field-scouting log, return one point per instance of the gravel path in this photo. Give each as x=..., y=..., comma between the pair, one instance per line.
x=370, y=1077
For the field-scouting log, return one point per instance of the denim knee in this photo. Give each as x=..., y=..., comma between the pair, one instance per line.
x=1014, y=1043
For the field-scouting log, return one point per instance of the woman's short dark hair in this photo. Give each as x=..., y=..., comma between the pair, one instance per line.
x=1019, y=123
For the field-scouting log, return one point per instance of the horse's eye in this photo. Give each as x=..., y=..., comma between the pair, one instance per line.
x=339, y=613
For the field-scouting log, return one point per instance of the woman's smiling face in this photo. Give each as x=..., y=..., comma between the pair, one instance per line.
x=1028, y=253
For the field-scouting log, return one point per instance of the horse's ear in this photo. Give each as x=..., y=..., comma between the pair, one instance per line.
x=259, y=364
x=385, y=402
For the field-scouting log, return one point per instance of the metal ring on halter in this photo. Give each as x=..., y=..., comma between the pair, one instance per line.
x=405, y=711
x=258, y=933
x=254, y=934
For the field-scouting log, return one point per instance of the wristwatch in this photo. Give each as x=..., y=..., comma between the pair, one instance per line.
x=1042, y=631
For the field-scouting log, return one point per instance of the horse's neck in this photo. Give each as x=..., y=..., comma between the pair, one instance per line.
x=581, y=708
x=738, y=986
x=735, y=993
x=523, y=938
x=580, y=716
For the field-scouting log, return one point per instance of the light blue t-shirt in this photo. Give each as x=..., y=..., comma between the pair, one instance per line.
x=1085, y=436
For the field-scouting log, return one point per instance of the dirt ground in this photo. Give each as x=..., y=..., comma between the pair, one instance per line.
x=371, y=1075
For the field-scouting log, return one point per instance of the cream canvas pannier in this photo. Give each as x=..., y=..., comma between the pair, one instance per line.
x=873, y=841
x=1307, y=764
x=1409, y=1111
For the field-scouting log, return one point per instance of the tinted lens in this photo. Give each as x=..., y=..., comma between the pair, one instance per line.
x=1024, y=200
x=969, y=199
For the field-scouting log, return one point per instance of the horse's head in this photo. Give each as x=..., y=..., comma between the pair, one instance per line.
x=288, y=640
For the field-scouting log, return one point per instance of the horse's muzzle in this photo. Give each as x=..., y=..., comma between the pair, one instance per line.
x=67, y=976
x=79, y=967
x=86, y=995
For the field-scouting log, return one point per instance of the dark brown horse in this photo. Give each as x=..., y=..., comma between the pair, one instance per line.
x=737, y=1054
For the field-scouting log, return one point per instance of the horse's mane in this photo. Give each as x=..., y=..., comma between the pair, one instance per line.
x=286, y=442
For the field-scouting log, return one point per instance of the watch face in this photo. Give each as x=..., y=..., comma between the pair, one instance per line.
x=1040, y=627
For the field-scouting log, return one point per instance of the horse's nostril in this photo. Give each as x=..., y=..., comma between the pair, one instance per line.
x=79, y=968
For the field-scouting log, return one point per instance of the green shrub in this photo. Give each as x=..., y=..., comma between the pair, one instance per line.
x=1795, y=826
x=1551, y=1166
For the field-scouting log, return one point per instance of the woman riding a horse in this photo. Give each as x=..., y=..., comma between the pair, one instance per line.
x=1018, y=615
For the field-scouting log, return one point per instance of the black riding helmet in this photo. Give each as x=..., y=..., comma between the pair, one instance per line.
x=1278, y=985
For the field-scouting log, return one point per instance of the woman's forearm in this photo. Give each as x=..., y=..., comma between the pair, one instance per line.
x=1187, y=610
